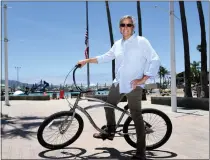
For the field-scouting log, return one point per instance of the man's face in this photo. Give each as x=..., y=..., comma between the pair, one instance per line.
x=126, y=27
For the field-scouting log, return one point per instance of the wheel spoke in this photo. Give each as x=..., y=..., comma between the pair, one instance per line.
x=154, y=134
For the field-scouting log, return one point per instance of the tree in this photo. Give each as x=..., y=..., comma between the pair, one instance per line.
x=162, y=74
x=111, y=36
x=139, y=18
x=202, y=48
x=140, y=34
x=199, y=48
x=195, y=71
x=188, y=92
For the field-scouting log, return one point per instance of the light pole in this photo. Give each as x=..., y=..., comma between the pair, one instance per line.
x=17, y=68
x=6, y=57
x=173, y=57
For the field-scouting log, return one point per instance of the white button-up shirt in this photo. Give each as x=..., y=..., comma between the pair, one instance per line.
x=134, y=58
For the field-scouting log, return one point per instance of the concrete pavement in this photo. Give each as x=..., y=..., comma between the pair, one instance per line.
x=189, y=140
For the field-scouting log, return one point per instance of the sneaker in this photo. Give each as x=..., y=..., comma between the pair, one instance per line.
x=109, y=135
x=103, y=136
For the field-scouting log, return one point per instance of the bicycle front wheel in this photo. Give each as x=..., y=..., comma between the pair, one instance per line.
x=65, y=130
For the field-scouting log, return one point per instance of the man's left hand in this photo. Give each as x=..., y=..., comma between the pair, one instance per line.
x=137, y=82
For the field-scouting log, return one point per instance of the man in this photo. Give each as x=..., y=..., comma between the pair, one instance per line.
x=135, y=62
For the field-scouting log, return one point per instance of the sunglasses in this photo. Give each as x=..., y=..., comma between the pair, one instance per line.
x=128, y=25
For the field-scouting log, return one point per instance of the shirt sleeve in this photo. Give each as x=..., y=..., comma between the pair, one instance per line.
x=108, y=56
x=153, y=60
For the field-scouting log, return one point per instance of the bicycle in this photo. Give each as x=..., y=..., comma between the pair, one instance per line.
x=71, y=115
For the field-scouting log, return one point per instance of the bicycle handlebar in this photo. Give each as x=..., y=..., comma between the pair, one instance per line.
x=77, y=87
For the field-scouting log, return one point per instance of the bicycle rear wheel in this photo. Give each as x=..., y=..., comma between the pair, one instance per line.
x=59, y=126
x=154, y=129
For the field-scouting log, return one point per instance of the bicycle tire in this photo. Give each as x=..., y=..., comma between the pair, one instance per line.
x=158, y=144
x=52, y=117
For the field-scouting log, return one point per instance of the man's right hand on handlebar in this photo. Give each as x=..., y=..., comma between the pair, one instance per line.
x=90, y=60
x=83, y=62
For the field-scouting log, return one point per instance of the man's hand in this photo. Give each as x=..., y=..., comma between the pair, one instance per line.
x=90, y=60
x=137, y=82
x=83, y=62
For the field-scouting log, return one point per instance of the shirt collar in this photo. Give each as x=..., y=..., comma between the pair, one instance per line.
x=129, y=39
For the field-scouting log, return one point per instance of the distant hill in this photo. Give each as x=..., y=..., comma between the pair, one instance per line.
x=14, y=83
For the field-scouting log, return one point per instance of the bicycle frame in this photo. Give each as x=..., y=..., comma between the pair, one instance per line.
x=84, y=110
x=72, y=114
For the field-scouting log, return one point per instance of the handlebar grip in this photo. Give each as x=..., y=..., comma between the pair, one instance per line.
x=78, y=65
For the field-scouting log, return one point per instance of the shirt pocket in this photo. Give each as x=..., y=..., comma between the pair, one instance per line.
x=135, y=56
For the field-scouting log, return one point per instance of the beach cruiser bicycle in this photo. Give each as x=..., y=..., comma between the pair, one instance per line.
x=67, y=126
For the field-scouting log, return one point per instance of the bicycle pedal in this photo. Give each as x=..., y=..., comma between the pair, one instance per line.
x=149, y=130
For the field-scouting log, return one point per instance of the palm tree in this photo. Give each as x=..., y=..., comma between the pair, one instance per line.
x=199, y=48
x=165, y=73
x=202, y=48
x=188, y=92
x=140, y=34
x=111, y=36
x=139, y=18
x=162, y=74
x=195, y=71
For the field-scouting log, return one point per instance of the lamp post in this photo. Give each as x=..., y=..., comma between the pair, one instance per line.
x=173, y=57
x=6, y=57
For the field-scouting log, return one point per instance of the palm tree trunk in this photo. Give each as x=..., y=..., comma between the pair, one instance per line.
x=160, y=80
x=140, y=34
x=188, y=92
x=139, y=18
x=111, y=36
x=204, y=80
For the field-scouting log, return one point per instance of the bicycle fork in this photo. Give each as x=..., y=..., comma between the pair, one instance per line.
x=62, y=131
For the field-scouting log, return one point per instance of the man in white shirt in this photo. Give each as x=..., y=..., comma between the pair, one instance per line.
x=135, y=62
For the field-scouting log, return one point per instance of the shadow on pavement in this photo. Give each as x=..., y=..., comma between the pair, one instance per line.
x=12, y=127
x=70, y=152
x=105, y=153
x=184, y=113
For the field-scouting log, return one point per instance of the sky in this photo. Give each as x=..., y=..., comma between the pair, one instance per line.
x=46, y=39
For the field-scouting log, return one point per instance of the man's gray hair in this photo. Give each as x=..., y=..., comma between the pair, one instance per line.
x=129, y=17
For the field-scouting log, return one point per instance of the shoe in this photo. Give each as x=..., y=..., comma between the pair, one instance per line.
x=103, y=136
x=109, y=135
